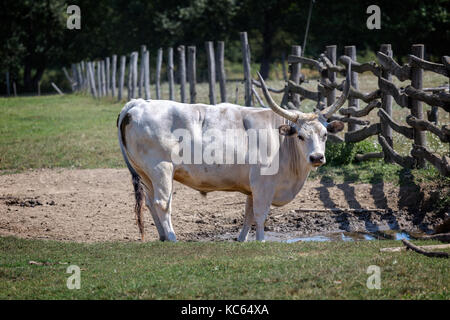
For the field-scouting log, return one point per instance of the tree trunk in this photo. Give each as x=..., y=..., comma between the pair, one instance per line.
x=268, y=34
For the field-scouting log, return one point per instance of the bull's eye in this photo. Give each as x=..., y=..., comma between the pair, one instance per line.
x=324, y=136
x=301, y=138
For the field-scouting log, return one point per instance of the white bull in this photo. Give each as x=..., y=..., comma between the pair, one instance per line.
x=151, y=152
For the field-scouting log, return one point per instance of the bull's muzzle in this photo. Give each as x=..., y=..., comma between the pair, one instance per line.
x=317, y=159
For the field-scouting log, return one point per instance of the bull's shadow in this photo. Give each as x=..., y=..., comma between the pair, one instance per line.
x=377, y=192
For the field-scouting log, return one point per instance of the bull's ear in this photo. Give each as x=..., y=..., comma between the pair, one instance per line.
x=287, y=130
x=335, y=126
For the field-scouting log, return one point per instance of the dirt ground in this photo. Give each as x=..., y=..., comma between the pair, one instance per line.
x=97, y=205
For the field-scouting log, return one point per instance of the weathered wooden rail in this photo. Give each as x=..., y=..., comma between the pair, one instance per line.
x=411, y=97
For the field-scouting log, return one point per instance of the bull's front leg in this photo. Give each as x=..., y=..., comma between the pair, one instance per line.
x=262, y=199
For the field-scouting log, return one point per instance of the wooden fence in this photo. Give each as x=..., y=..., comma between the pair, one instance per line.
x=411, y=97
x=99, y=78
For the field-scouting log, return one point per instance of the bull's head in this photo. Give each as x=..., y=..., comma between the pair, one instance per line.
x=310, y=128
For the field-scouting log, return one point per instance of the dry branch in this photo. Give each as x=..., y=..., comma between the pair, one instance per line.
x=406, y=131
x=389, y=87
x=297, y=59
x=424, y=252
x=353, y=112
x=311, y=95
x=350, y=120
x=258, y=98
x=353, y=93
x=431, y=99
x=401, y=72
x=443, y=134
x=368, y=156
x=335, y=139
x=406, y=162
x=330, y=66
x=363, y=133
x=399, y=249
x=444, y=237
x=444, y=96
x=427, y=65
x=442, y=164
x=258, y=84
x=360, y=67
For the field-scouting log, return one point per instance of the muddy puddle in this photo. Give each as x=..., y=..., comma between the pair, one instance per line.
x=292, y=237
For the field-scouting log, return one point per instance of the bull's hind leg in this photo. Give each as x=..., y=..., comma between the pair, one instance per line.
x=161, y=176
x=149, y=202
x=248, y=219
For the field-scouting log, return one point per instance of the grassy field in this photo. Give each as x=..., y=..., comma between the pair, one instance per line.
x=336, y=270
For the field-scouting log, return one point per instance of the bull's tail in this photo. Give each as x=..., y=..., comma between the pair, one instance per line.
x=122, y=120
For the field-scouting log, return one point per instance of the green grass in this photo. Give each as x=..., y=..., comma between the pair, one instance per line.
x=58, y=131
x=155, y=270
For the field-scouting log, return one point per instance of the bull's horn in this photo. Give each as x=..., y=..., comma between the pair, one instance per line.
x=291, y=116
x=328, y=112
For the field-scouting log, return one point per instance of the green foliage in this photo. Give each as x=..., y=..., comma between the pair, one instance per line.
x=344, y=153
x=224, y=270
x=34, y=37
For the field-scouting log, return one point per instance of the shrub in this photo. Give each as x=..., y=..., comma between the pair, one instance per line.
x=344, y=153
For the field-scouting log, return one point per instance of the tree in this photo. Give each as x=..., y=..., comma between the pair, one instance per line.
x=32, y=31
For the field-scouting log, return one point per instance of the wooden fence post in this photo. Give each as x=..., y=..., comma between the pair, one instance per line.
x=159, y=58
x=14, y=89
x=74, y=77
x=221, y=71
x=352, y=102
x=71, y=81
x=83, y=74
x=296, y=73
x=92, y=79
x=141, y=71
x=147, y=74
x=99, y=80
x=86, y=76
x=103, y=78
x=182, y=72
x=170, y=73
x=108, y=75
x=247, y=69
x=192, y=76
x=8, y=89
x=386, y=104
x=130, y=77
x=331, y=54
x=79, y=76
x=123, y=60
x=283, y=65
x=113, y=75
x=135, y=74
x=211, y=71
x=416, y=106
